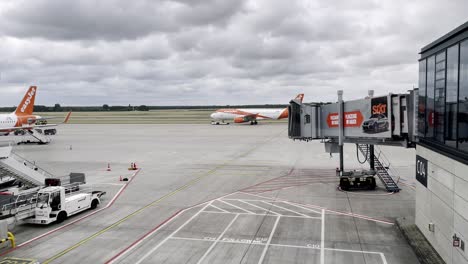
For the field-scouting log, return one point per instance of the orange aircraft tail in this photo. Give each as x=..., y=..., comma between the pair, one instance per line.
x=300, y=97
x=26, y=107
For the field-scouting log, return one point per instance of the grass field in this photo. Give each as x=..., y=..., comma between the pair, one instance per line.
x=198, y=116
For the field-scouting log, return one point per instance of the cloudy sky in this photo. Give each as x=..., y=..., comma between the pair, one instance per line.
x=195, y=52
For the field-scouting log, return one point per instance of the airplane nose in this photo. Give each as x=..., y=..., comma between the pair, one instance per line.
x=213, y=115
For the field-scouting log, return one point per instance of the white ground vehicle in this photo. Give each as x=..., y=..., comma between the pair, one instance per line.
x=56, y=203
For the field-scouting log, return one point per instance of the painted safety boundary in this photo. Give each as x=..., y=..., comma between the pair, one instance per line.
x=111, y=202
x=178, y=213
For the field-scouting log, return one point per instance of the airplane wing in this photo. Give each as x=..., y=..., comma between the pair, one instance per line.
x=251, y=117
x=52, y=125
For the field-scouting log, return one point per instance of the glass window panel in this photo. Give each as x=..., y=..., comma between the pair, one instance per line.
x=422, y=99
x=451, y=97
x=439, y=98
x=430, y=115
x=463, y=99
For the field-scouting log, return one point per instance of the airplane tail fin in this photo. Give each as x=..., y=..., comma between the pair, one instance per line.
x=26, y=107
x=67, y=118
x=300, y=97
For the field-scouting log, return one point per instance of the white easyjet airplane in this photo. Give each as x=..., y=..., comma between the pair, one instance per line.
x=23, y=119
x=250, y=114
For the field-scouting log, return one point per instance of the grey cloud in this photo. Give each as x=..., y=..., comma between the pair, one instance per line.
x=197, y=52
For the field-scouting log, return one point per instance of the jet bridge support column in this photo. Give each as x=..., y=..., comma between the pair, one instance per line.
x=341, y=129
x=371, y=157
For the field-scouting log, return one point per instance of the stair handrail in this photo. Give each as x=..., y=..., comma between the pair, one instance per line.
x=31, y=165
x=385, y=161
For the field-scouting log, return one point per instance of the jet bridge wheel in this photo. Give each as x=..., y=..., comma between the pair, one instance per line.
x=62, y=216
x=344, y=184
x=371, y=182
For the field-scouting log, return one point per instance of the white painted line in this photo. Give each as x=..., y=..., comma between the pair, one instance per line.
x=331, y=211
x=221, y=241
x=287, y=216
x=173, y=233
x=322, y=239
x=263, y=197
x=235, y=206
x=217, y=208
x=146, y=236
x=217, y=240
x=286, y=209
x=264, y=209
x=353, y=251
x=305, y=208
x=384, y=260
x=260, y=261
x=249, y=200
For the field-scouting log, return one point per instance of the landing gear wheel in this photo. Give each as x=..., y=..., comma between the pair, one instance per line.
x=62, y=216
x=255, y=122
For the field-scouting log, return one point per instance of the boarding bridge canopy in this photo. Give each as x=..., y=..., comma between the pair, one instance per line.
x=385, y=120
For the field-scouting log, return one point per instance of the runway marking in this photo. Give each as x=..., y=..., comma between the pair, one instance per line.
x=109, y=204
x=217, y=240
x=173, y=233
x=284, y=216
x=309, y=246
x=322, y=239
x=320, y=247
x=308, y=209
x=242, y=209
x=84, y=241
x=328, y=210
x=262, y=257
x=286, y=209
x=217, y=208
x=261, y=208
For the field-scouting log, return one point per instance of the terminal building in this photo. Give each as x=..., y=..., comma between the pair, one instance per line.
x=442, y=150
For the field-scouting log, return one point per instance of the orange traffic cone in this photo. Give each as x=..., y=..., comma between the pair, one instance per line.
x=108, y=167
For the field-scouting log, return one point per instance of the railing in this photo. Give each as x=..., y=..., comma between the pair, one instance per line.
x=385, y=161
x=31, y=165
x=24, y=201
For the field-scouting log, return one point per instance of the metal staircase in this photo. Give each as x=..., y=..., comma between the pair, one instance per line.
x=382, y=167
x=38, y=134
x=15, y=166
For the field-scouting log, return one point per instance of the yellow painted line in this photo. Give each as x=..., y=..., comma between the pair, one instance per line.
x=190, y=183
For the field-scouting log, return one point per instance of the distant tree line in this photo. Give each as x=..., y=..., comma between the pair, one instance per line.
x=106, y=107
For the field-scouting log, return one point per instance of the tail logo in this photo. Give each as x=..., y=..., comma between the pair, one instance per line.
x=28, y=100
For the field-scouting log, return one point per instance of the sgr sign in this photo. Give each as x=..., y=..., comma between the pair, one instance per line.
x=421, y=170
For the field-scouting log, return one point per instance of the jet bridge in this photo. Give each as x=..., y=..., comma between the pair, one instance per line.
x=384, y=120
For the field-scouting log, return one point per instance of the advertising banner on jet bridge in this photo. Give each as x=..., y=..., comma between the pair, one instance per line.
x=364, y=118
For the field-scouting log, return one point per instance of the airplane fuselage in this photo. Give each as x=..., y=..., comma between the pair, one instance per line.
x=258, y=113
x=7, y=121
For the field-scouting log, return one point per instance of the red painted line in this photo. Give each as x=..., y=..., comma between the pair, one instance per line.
x=74, y=221
x=152, y=231
x=364, y=194
x=144, y=236
x=311, y=206
x=289, y=173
